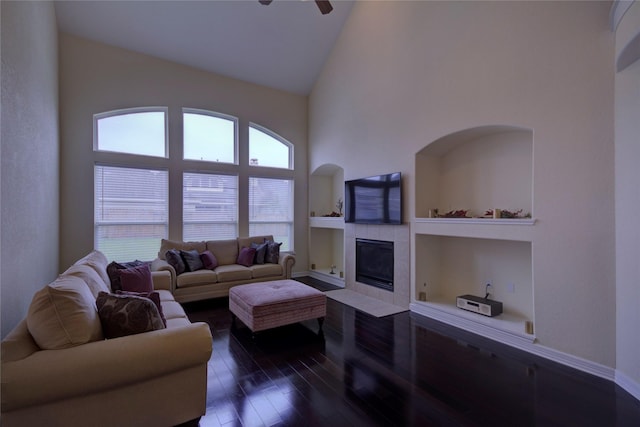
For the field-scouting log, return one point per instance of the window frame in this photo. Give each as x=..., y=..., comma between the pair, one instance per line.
x=132, y=110
x=236, y=127
x=275, y=136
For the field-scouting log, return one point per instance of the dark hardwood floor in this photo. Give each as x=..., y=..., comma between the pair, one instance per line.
x=404, y=370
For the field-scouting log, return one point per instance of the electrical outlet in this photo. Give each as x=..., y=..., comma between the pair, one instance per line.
x=511, y=288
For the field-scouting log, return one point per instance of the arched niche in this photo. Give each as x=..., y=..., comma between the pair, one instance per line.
x=476, y=169
x=326, y=187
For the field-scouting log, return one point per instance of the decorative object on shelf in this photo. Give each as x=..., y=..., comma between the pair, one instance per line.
x=504, y=213
x=313, y=266
x=342, y=274
x=332, y=215
x=422, y=296
x=313, y=213
x=332, y=268
x=433, y=213
x=339, y=205
x=460, y=213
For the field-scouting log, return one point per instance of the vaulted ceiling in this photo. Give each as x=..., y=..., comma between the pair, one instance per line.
x=283, y=45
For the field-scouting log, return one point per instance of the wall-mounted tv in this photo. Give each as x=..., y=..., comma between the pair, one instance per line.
x=374, y=200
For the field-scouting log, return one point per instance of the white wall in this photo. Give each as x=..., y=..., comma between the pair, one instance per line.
x=404, y=74
x=97, y=78
x=627, y=156
x=29, y=166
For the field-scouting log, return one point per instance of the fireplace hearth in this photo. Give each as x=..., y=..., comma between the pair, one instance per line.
x=374, y=263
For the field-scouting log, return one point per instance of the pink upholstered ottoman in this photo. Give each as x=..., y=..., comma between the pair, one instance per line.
x=266, y=305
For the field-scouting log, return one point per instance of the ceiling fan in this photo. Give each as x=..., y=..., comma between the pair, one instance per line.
x=324, y=5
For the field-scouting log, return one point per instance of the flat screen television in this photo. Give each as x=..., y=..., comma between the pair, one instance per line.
x=374, y=200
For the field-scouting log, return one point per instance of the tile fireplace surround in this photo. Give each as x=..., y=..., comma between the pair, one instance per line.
x=400, y=236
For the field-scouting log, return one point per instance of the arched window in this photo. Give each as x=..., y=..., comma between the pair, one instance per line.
x=209, y=136
x=140, y=131
x=268, y=149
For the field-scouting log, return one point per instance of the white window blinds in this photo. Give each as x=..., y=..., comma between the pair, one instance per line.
x=271, y=209
x=131, y=212
x=209, y=206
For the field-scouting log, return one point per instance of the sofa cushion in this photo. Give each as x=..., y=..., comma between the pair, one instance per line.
x=196, y=278
x=90, y=277
x=273, y=252
x=136, y=279
x=246, y=256
x=225, y=251
x=123, y=315
x=96, y=260
x=165, y=245
x=192, y=260
x=153, y=296
x=112, y=272
x=173, y=310
x=63, y=314
x=175, y=260
x=266, y=270
x=261, y=251
x=233, y=272
x=209, y=260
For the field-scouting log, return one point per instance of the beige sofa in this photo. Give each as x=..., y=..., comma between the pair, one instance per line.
x=156, y=378
x=203, y=284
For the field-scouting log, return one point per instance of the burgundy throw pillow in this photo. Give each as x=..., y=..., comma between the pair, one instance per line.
x=245, y=257
x=122, y=315
x=153, y=296
x=112, y=272
x=209, y=260
x=192, y=260
x=175, y=260
x=136, y=279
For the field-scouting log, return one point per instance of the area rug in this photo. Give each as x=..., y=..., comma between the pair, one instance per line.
x=364, y=303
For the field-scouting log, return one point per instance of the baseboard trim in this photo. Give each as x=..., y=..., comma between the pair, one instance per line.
x=624, y=381
x=519, y=342
x=332, y=279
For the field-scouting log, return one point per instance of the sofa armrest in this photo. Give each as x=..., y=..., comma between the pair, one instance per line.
x=287, y=261
x=162, y=265
x=51, y=375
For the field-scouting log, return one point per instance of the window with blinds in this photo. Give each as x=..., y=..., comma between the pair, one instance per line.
x=131, y=212
x=209, y=206
x=268, y=149
x=271, y=209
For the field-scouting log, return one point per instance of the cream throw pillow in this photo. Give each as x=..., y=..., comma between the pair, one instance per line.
x=63, y=314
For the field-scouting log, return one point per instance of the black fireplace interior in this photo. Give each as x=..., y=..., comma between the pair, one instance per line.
x=374, y=263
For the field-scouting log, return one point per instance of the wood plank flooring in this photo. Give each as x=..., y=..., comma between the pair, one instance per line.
x=400, y=370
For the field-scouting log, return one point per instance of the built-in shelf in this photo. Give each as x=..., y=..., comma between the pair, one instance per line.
x=505, y=327
x=324, y=274
x=336, y=223
x=326, y=233
x=487, y=228
x=476, y=170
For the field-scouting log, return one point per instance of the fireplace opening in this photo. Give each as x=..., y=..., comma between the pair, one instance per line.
x=374, y=263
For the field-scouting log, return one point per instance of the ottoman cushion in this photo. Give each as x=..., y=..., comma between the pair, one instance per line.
x=265, y=305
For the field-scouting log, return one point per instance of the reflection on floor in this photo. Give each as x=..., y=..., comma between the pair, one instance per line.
x=403, y=370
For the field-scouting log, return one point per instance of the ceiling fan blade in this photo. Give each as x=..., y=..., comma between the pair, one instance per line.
x=265, y=2
x=324, y=6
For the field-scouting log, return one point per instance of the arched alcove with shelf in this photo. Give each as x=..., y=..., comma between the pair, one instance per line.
x=326, y=233
x=475, y=170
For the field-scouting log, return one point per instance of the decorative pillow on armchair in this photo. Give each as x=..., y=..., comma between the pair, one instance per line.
x=122, y=315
